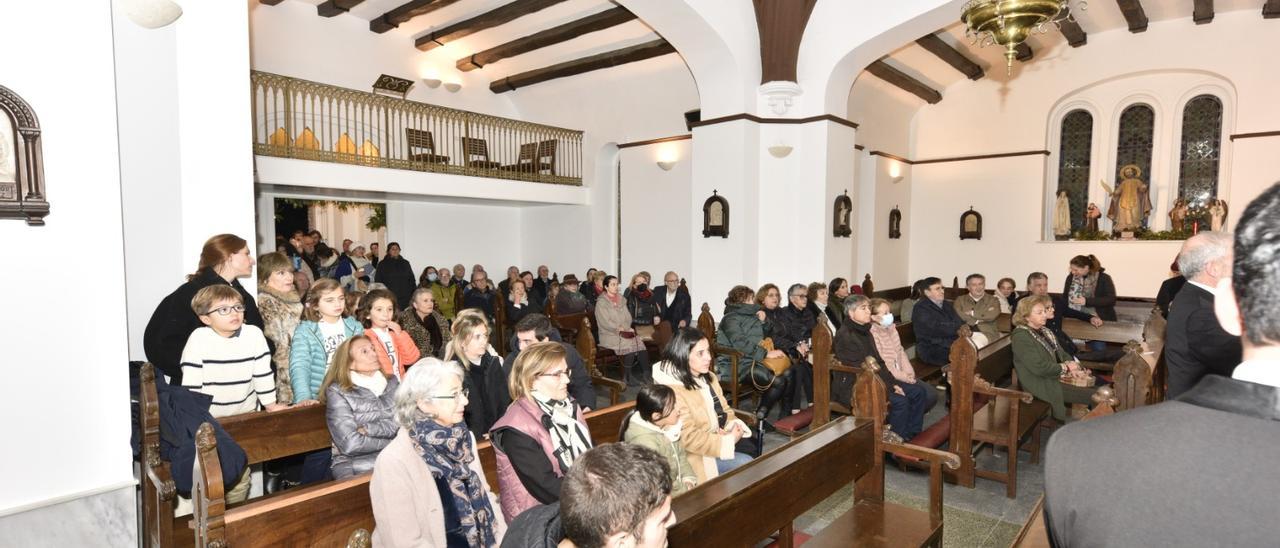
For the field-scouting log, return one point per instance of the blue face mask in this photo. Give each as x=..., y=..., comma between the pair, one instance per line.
x=886, y=320
x=432, y=277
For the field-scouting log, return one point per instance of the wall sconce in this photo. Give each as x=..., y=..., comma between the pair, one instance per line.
x=668, y=155
x=780, y=150
x=151, y=14
x=895, y=171
x=666, y=165
x=431, y=82
x=453, y=86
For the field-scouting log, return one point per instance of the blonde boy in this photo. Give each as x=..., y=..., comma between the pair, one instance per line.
x=227, y=359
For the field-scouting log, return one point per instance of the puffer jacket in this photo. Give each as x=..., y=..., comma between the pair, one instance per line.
x=740, y=330
x=348, y=411
x=308, y=360
x=280, y=316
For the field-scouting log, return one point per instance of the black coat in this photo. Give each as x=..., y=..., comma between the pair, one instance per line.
x=681, y=309
x=642, y=309
x=798, y=323
x=935, y=328
x=1195, y=345
x=181, y=414
x=173, y=321
x=397, y=275
x=852, y=345
x=1103, y=300
x=474, y=298
x=489, y=397
x=1168, y=290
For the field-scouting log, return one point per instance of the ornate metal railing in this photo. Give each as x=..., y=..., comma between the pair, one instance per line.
x=295, y=118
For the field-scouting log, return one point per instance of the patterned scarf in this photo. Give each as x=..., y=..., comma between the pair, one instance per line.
x=1083, y=286
x=568, y=438
x=1045, y=337
x=448, y=452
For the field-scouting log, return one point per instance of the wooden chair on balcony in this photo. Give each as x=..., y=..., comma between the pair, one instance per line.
x=527, y=160
x=546, y=160
x=476, y=152
x=422, y=147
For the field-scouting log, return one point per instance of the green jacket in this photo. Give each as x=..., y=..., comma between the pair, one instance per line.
x=740, y=330
x=647, y=435
x=1038, y=370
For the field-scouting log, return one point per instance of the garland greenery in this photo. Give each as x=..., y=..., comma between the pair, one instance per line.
x=1143, y=234
x=376, y=221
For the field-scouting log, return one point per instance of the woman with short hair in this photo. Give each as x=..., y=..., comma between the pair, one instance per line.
x=1041, y=362
x=281, y=309
x=428, y=487
x=425, y=324
x=613, y=322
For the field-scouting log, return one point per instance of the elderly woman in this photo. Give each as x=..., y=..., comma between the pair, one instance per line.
x=614, y=324
x=281, y=309
x=1005, y=294
x=742, y=328
x=424, y=324
x=889, y=344
x=357, y=400
x=541, y=434
x=428, y=488
x=518, y=302
x=1040, y=361
x=710, y=430
x=485, y=378
x=853, y=345
x=823, y=312
x=223, y=260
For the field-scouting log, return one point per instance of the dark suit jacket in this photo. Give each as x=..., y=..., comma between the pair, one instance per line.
x=1168, y=290
x=681, y=308
x=1195, y=345
x=1197, y=471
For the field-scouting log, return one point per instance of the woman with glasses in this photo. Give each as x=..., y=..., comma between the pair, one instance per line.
x=485, y=378
x=542, y=433
x=428, y=487
x=1041, y=361
x=357, y=399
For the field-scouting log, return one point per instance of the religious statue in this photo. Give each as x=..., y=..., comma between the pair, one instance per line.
x=1130, y=202
x=1091, y=216
x=1178, y=215
x=1061, y=216
x=1217, y=214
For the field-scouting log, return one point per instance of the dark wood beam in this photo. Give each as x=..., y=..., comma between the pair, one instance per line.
x=554, y=35
x=598, y=61
x=1134, y=14
x=504, y=14
x=405, y=12
x=269, y=2
x=1203, y=12
x=883, y=71
x=951, y=55
x=1073, y=33
x=780, y=25
x=1024, y=52
x=1271, y=9
x=334, y=7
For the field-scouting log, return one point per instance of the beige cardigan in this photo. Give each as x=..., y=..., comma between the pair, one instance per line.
x=406, y=506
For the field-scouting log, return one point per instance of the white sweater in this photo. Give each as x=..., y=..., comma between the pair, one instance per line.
x=231, y=369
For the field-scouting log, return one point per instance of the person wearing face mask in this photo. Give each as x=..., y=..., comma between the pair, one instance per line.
x=357, y=399
x=674, y=304
x=542, y=433
x=852, y=346
x=644, y=313
x=889, y=345
x=935, y=322
x=656, y=424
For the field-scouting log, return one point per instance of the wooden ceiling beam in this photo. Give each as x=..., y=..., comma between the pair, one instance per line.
x=404, y=12
x=1203, y=12
x=497, y=16
x=598, y=61
x=1134, y=14
x=335, y=7
x=1271, y=9
x=952, y=56
x=269, y=2
x=883, y=71
x=1073, y=33
x=554, y=35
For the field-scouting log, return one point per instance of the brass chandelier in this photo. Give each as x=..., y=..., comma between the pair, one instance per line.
x=1009, y=22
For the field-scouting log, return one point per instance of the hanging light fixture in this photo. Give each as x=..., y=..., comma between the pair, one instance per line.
x=1009, y=22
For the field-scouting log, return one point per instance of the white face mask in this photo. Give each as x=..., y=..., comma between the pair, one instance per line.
x=887, y=319
x=673, y=432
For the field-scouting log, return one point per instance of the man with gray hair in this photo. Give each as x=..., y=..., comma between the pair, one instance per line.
x=1195, y=345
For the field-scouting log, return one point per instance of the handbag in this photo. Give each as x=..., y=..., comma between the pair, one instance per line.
x=763, y=372
x=778, y=365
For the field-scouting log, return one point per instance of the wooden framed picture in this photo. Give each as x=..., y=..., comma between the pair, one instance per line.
x=842, y=210
x=715, y=216
x=895, y=224
x=21, y=161
x=971, y=225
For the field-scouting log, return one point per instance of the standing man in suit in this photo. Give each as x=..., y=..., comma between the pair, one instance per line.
x=1194, y=471
x=673, y=302
x=1196, y=344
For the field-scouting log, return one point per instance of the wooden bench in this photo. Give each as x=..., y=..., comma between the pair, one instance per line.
x=764, y=497
x=325, y=514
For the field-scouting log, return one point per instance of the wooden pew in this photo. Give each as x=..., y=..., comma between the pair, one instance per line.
x=753, y=502
x=586, y=345
x=603, y=424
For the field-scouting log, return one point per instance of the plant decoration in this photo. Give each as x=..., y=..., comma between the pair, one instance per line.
x=376, y=221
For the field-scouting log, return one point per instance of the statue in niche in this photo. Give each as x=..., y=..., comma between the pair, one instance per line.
x=715, y=216
x=840, y=216
x=1061, y=216
x=1217, y=214
x=1130, y=201
x=1178, y=215
x=1091, y=216
x=895, y=224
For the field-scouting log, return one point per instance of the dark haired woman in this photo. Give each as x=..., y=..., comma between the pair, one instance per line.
x=710, y=431
x=656, y=423
x=613, y=321
x=1090, y=290
x=837, y=291
x=223, y=259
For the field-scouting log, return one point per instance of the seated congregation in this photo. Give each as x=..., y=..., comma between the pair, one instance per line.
x=443, y=410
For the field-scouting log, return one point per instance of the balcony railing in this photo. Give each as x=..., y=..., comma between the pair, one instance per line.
x=294, y=118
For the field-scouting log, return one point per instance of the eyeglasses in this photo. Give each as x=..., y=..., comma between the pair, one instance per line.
x=226, y=310
x=805, y=297
x=561, y=373
x=461, y=393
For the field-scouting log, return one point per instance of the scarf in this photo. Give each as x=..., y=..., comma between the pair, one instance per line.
x=568, y=439
x=644, y=295
x=1044, y=337
x=376, y=383
x=1083, y=286
x=615, y=299
x=448, y=452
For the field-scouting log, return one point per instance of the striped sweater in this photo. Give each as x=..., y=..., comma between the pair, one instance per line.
x=235, y=371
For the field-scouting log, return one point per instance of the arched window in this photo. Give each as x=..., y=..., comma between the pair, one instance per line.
x=1134, y=142
x=1075, y=148
x=1201, y=150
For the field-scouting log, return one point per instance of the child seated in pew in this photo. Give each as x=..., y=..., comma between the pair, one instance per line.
x=656, y=424
x=228, y=361
x=394, y=346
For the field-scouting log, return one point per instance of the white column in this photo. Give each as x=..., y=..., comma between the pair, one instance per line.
x=726, y=161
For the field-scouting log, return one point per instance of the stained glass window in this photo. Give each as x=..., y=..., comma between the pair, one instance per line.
x=1201, y=149
x=1074, y=156
x=1133, y=145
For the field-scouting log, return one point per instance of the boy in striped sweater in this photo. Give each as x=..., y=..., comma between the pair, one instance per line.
x=228, y=359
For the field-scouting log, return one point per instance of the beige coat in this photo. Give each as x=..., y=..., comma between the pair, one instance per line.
x=406, y=506
x=984, y=312
x=700, y=436
x=612, y=318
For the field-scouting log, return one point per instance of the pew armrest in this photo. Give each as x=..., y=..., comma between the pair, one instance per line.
x=980, y=385
x=944, y=458
x=745, y=417
x=835, y=367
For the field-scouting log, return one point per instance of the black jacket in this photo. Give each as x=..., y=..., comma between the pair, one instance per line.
x=580, y=388
x=798, y=323
x=681, y=309
x=537, y=527
x=641, y=307
x=474, y=298
x=833, y=313
x=852, y=345
x=397, y=275
x=1104, y=296
x=173, y=321
x=489, y=397
x=1168, y=290
x=935, y=328
x=1195, y=345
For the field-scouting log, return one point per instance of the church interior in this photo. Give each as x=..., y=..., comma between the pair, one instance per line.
x=733, y=143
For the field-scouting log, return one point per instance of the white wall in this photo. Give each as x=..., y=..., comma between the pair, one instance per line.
x=657, y=222
x=69, y=438
x=447, y=234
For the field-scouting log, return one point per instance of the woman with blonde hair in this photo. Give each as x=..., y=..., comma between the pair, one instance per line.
x=484, y=378
x=357, y=399
x=1041, y=362
x=541, y=434
x=281, y=309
